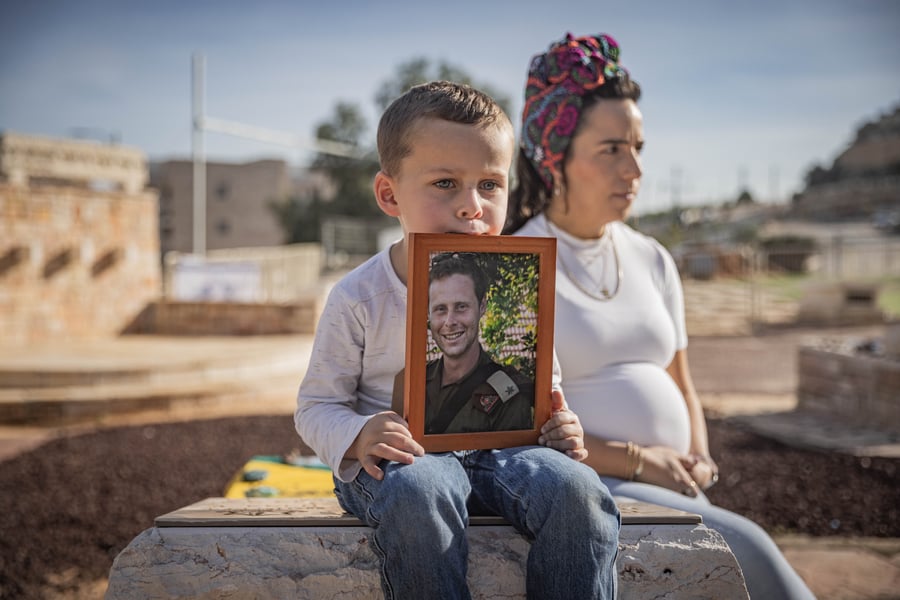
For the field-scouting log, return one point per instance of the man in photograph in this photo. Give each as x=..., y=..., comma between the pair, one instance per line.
x=465, y=390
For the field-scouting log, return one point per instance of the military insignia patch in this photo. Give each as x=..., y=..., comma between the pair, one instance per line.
x=486, y=402
x=503, y=384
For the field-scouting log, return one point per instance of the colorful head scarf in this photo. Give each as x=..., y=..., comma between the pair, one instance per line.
x=557, y=82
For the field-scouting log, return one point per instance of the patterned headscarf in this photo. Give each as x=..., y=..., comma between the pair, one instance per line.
x=557, y=82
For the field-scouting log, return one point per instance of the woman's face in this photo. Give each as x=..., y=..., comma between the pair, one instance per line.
x=603, y=169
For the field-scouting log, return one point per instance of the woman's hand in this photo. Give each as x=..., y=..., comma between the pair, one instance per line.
x=563, y=431
x=669, y=469
x=705, y=471
x=384, y=436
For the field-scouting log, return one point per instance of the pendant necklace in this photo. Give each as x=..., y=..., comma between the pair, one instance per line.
x=603, y=294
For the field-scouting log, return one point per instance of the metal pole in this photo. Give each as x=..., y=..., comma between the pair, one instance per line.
x=197, y=77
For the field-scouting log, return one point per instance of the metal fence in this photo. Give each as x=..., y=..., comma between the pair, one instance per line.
x=739, y=291
x=866, y=258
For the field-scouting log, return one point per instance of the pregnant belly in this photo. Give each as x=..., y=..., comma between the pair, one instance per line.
x=635, y=402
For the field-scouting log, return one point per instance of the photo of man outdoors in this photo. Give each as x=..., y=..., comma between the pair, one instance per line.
x=466, y=391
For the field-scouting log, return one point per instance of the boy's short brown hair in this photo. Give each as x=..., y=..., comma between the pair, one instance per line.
x=454, y=102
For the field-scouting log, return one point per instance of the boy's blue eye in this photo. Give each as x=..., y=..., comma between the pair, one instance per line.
x=443, y=184
x=490, y=185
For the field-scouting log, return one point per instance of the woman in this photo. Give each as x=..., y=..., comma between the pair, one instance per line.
x=620, y=331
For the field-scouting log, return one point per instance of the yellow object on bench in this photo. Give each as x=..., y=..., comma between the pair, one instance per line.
x=273, y=477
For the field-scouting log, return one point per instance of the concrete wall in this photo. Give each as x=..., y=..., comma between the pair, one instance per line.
x=75, y=263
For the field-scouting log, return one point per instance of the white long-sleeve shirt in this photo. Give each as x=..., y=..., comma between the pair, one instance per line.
x=360, y=346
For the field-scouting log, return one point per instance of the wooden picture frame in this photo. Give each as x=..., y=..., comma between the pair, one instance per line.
x=520, y=277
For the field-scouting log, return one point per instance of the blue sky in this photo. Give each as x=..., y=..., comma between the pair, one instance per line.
x=734, y=91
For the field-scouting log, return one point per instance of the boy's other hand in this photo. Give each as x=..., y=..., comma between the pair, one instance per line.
x=563, y=431
x=385, y=436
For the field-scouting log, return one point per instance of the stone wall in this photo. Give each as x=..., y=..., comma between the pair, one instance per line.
x=228, y=318
x=31, y=159
x=850, y=386
x=75, y=263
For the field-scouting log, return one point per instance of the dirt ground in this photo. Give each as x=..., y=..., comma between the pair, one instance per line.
x=70, y=506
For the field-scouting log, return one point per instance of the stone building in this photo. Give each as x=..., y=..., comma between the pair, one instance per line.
x=79, y=242
x=863, y=180
x=237, y=203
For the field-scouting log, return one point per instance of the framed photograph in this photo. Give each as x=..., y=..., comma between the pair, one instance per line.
x=479, y=340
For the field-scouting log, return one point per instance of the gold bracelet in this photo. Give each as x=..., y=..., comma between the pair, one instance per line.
x=640, y=464
x=628, y=451
x=634, y=460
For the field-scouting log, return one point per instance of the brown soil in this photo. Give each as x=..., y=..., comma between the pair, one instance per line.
x=70, y=506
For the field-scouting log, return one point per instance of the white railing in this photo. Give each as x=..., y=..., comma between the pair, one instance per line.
x=275, y=274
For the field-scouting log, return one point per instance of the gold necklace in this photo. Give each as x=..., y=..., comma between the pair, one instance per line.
x=604, y=294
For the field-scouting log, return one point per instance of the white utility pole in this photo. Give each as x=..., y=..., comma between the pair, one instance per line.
x=199, y=237
x=202, y=123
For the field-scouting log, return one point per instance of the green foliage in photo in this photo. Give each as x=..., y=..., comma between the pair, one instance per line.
x=509, y=324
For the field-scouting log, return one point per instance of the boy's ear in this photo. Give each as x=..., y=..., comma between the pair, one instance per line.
x=384, y=194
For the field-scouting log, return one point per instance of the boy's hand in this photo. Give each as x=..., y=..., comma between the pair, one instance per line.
x=385, y=436
x=563, y=431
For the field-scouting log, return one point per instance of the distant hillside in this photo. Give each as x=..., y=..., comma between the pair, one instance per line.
x=862, y=181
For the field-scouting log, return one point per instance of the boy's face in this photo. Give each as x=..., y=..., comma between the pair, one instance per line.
x=455, y=180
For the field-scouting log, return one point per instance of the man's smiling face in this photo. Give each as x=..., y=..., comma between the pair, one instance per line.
x=454, y=313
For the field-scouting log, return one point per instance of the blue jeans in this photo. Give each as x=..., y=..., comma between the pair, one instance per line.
x=419, y=514
x=767, y=573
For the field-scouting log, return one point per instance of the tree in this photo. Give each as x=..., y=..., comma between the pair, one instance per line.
x=509, y=321
x=745, y=197
x=301, y=217
x=419, y=70
x=352, y=176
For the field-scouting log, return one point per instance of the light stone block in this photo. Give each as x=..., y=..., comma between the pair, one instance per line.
x=680, y=560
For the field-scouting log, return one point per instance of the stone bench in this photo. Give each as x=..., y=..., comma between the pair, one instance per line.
x=310, y=549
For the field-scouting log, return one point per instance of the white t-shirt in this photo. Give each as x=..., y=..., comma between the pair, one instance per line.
x=613, y=354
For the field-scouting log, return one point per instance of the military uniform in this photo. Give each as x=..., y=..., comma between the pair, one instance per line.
x=496, y=398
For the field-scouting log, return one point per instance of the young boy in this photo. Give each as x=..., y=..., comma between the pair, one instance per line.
x=445, y=152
